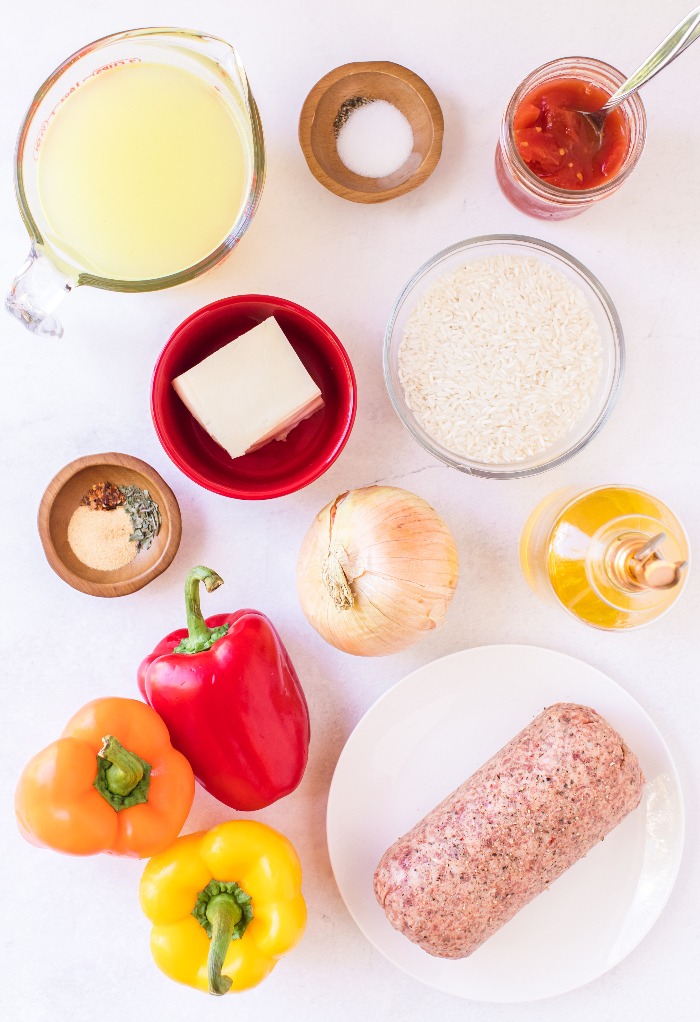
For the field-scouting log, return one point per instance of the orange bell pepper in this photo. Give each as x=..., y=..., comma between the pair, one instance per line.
x=111, y=783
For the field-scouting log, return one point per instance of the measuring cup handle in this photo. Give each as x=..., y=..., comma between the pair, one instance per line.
x=35, y=292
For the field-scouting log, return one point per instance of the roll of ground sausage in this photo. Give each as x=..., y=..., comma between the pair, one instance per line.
x=503, y=836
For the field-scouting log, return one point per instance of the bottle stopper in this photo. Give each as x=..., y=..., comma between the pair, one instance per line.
x=636, y=563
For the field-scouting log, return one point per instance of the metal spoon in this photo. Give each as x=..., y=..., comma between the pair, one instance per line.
x=685, y=33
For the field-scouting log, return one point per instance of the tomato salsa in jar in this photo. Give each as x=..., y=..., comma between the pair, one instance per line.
x=550, y=162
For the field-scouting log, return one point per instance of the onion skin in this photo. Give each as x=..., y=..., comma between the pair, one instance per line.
x=377, y=569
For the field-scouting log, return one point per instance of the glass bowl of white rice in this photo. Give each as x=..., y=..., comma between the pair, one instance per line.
x=503, y=356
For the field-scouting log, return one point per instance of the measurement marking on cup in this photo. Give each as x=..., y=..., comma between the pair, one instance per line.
x=93, y=74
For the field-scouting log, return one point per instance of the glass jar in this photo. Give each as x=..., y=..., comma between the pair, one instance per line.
x=529, y=193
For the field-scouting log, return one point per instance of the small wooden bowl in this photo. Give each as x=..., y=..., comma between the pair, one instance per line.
x=62, y=497
x=377, y=79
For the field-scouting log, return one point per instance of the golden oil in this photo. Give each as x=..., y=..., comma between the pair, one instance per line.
x=615, y=557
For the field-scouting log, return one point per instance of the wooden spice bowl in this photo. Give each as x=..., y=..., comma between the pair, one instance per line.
x=62, y=497
x=372, y=80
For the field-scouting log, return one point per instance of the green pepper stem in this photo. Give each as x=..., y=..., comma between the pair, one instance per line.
x=125, y=769
x=122, y=778
x=200, y=637
x=223, y=912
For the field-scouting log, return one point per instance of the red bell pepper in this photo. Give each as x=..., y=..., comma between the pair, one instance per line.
x=231, y=700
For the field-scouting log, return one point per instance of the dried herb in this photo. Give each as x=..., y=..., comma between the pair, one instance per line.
x=345, y=109
x=103, y=497
x=144, y=514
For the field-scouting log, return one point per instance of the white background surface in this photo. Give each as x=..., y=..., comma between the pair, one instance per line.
x=74, y=944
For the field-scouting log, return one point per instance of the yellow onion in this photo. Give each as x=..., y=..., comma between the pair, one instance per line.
x=376, y=570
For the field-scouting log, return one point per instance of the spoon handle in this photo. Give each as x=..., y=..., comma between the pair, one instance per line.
x=685, y=33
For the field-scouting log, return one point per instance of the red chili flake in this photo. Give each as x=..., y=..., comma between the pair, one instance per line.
x=103, y=497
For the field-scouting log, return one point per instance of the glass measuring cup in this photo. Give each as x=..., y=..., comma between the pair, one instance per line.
x=55, y=265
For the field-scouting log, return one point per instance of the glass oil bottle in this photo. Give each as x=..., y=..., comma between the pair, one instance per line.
x=614, y=557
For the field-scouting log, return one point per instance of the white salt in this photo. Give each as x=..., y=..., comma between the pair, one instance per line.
x=376, y=140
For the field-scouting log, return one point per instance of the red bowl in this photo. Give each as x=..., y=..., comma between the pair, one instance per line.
x=279, y=467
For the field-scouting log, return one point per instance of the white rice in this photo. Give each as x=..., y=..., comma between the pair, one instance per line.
x=500, y=360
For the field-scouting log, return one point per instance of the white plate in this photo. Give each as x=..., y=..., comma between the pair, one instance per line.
x=423, y=738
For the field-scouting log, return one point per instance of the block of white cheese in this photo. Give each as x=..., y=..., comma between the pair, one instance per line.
x=252, y=390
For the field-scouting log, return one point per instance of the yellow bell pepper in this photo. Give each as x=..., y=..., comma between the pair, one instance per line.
x=225, y=905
